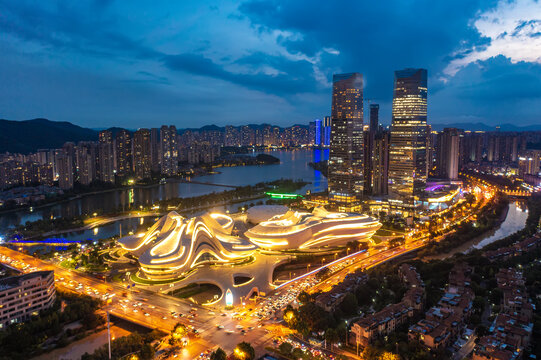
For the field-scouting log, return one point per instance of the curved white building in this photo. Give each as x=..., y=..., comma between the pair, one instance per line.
x=174, y=245
x=321, y=228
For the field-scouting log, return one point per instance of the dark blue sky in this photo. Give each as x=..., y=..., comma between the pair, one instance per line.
x=190, y=63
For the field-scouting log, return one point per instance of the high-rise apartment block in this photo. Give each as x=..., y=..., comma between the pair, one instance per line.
x=169, y=146
x=124, y=164
x=447, y=153
x=106, y=162
x=142, y=154
x=23, y=296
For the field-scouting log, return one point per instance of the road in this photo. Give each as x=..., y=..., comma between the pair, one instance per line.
x=159, y=307
x=161, y=312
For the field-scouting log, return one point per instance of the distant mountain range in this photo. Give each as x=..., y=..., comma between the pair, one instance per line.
x=30, y=135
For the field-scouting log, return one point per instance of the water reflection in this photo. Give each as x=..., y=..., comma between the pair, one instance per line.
x=515, y=221
x=294, y=165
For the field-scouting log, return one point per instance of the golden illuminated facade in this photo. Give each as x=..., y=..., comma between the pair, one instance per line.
x=345, y=175
x=407, y=153
x=319, y=229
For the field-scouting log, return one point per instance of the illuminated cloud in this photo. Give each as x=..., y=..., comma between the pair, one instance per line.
x=513, y=29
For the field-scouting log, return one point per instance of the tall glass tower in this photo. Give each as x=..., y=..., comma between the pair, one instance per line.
x=407, y=153
x=345, y=176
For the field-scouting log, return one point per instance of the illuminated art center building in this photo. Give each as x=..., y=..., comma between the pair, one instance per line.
x=321, y=228
x=175, y=246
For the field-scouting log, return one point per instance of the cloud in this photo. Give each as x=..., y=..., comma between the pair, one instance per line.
x=511, y=29
x=290, y=77
x=70, y=27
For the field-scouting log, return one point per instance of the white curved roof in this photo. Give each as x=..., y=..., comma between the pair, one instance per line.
x=301, y=230
x=175, y=244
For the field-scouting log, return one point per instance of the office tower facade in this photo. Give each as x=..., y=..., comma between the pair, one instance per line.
x=345, y=177
x=380, y=163
x=317, y=132
x=327, y=131
x=141, y=154
x=447, y=153
x=407, y=153
x=64, y=163
x=124, y=164
x=155, y=150
x=369, y=137
x=168, y=139
x=106, y=163
x=374, y=118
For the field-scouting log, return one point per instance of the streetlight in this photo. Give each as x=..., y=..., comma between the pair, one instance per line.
x=346, y=331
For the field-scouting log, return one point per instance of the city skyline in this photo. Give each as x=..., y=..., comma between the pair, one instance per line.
x=135, y=71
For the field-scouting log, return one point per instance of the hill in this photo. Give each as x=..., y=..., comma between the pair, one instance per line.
x=30, y=135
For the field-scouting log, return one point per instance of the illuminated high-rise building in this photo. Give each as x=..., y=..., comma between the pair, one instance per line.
x=327, y=131
x=317, y=132
x=345, y=177
x=369, y=138
x=155, y=150
x=168, y=139
x=407, y=153
x=124, y=164
x=142, y=154
x=374, y=118
x=106, y=163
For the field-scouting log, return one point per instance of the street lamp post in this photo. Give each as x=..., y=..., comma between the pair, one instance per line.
x=346, y=331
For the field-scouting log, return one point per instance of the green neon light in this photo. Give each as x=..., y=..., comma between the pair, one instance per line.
x=282, y=196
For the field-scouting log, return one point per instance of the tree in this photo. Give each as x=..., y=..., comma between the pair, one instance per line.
x=178, y=332
x=285, y=348
x=244, y=351
x=388, y=356
x=331, y=336
x=218, y=354
x=297, y=353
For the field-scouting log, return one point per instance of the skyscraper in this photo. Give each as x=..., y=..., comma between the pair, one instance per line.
x=106, y=163
x=141, y=154
x=345, y=178
x=327, y=131
x=317, y=131
x=65, y=170
x=369, y=138
x=374, y=118
x=123, y=153
x=380, y=163
x=155, y=150
x=407, y=153
x=168, y=139
x=447, y=145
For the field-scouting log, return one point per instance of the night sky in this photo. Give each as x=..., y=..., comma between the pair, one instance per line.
x=190, y=63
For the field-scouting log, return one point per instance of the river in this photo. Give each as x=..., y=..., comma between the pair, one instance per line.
x=293, y=165
x=514, y=221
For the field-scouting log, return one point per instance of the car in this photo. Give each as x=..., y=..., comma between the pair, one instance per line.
x=147, y=314
x=164, y=318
